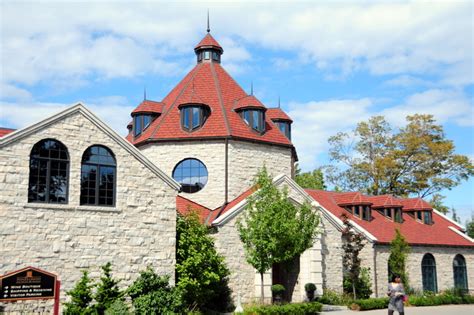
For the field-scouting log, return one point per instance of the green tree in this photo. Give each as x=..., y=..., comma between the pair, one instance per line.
x=470, y=227
x=152, y=295
x=455, y=216
x=201, y=273
x=399, y=250
x=311, y=180
x=107, y=290
x=273, y=229
x=81, y=297
x=352, y=245
x=437, y=203
x=415, y=160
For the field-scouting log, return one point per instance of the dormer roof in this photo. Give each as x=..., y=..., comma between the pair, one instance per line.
x=249, y=101
x=385, y=201
x=208, y=42
x=415, y=204
x=351, y=198
x=278, y=114
x=149, y=107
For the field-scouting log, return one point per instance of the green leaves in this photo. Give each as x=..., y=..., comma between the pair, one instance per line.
x=201, y=273
x=415, y=160
x=399, y=250
x=311, y=180
x=81, y=297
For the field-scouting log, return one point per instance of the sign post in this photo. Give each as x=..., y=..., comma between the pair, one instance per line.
x=30, y=284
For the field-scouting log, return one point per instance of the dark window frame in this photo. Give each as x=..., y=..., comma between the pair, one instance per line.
x=366, y=213
x=427, y=217
x=98, y=166
x=203, y=115
x=428, y=272
x=460, y=273
x=398, y=215
x=141, y=117
x=261, y=123
x=286, y=127
x=47, y=184
x=183, y=188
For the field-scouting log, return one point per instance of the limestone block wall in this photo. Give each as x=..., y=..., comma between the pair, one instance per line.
x=247, y=158
x=331, y=249
x=64, y=239
x=444, y=266
x=212, y=153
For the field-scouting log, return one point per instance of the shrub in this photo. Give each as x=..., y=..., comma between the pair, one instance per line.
x=369, y=304
x=118, y=307
x=451, y=296
x=81, y=297
x=151, y=294
x=107, y=290
x=278, y=289
x=363, y=285
x=335, y=298
x=310, y=287
x=292, y=309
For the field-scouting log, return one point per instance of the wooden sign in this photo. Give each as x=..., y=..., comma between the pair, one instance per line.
x=27, y=284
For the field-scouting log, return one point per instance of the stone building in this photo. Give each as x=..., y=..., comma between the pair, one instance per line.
x=76, y=195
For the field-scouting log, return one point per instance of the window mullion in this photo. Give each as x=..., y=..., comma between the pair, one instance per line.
x=97, y=180
x=48, y=180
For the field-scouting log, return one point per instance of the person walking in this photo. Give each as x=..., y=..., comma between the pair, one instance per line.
x=396, y=292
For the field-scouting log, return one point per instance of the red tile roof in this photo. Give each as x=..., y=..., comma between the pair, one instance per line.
x=248, y=101
x=384, y=201
x=351, y=198
x=210, y=84
x=186, y=206
x=412, y=204
x=277, y=114
x=208, y=41
x=147, y=106
x=5, y=131
x=415, y=232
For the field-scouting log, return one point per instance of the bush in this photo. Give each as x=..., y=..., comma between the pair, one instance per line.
x=363, y=286
x=335, y=298
x=118, y=307
x=310, y=287
x=107, y=290
x=369, y=304
x=293, y=309
x=151, y=294
x=278, y=289
x=451, y=296
x=81, y=297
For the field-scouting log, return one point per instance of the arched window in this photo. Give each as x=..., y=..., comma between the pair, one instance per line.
x=49, y=172
x=98, y=177
x=428, y=273
x=460, y=273
x=191, y=174
x=193, y=116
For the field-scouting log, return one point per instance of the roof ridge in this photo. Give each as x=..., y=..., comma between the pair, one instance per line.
x=165, y=114
x=219, y=96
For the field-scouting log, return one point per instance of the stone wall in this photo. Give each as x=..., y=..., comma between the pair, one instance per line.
x=444, y=266
x=247, y=158
x=65, y=239
x=331, y=248
x=167, y=155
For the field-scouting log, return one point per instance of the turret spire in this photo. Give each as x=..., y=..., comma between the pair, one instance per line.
x=144, y=93
x=208, y=27
x=251, y=87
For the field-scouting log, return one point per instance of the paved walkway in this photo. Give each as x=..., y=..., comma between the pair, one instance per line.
x=426, y=310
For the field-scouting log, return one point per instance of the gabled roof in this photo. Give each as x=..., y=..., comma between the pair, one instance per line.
x=208, y=83
x=208, y=41
x=351, y=198
x=185, y=206
x=249, y=101
x=411, y=204
x=442, y=232
x=5, y=131
x=81, y=109
x=384, y=201
x=149, y=107
x=277, y=114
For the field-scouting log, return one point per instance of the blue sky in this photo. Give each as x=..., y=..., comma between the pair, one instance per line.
x=332, y=63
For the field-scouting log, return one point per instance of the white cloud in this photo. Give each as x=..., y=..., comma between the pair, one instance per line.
x=112, y=110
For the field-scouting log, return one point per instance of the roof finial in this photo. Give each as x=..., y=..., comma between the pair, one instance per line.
x=144, y=93
x=251, y=87
x=278, y=101
x=208, y=27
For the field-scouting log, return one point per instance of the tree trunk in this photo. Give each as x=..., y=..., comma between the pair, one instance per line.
x=354, y=289
x=262, y=297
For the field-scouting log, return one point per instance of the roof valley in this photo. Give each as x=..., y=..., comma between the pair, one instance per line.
x=221, y=103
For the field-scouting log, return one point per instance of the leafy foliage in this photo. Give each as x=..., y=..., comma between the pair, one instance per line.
x=353, y=244
x=437, y=203
x=312, y=308
x=369, y=304
x=273, y=229
x=363, y=285
x=416, y=160
x=118, y=307
x=107, y=290
x=470, y=227
x=335, y=298
x=399, y=250
x=310, y=287
x=201, y=273
x=278, y=289
x=152, y=294
x=452, y=296
x=81, y=297
x=311, y=180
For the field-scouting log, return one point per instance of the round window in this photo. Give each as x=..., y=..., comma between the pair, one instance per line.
x=191, y=174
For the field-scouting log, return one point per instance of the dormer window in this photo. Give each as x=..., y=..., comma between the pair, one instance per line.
x=193, y=116
x=140, y=123
x=285, y=127
x=255, y=118
x=427, y=217
x=398, y=215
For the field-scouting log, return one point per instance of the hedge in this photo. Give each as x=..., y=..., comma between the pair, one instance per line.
x=369, y=304
x=430, y=300
x=311, y=308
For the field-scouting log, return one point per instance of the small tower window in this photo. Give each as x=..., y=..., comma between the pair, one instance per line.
x=419, y=215
x=427, y=218
x=193, y=116
x=285, y=128
x=398, y=215
x=140, y=123
x=207, y=55
x=255, y=118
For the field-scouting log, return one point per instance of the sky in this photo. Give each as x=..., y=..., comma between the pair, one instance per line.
x=332, y=63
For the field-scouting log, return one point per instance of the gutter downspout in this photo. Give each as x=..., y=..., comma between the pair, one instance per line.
x=375, y=272
x=226, y=170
